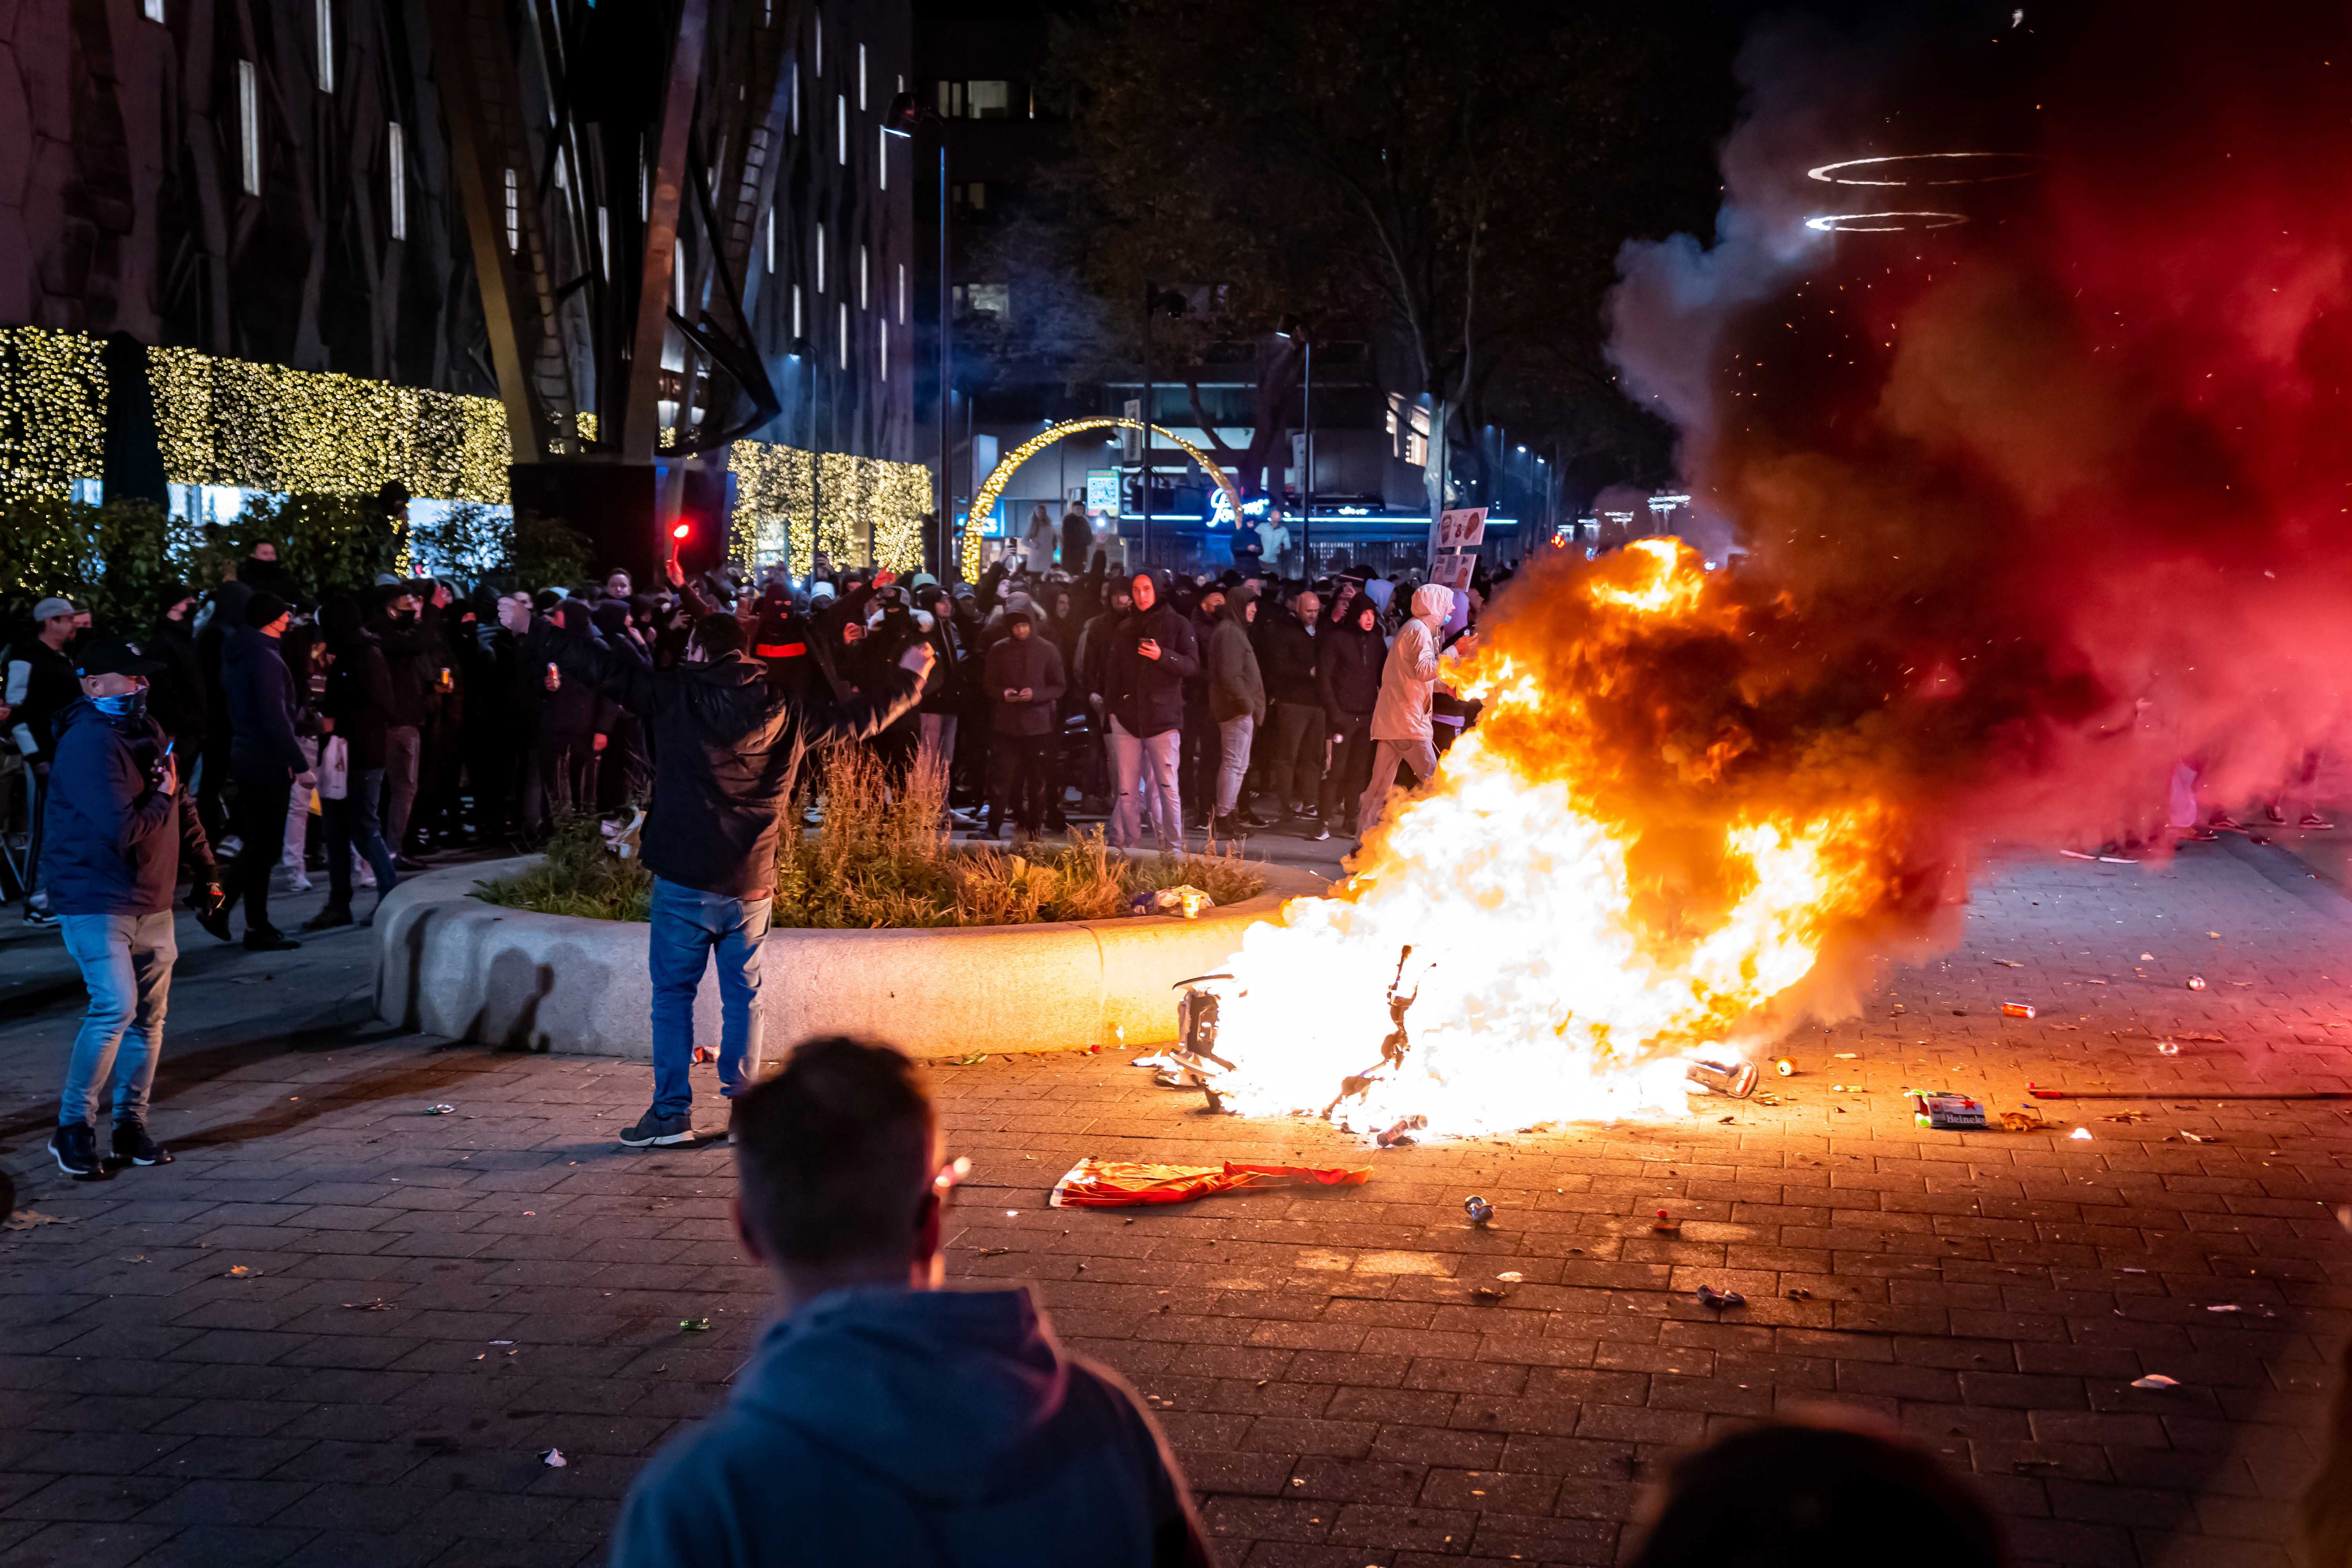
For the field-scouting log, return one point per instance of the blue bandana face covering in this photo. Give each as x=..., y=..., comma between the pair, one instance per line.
x=127, y=709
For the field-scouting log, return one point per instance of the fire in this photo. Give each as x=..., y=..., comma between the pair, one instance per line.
x=1586, y=895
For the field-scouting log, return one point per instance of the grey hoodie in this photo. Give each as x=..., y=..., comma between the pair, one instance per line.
x=914, y=1428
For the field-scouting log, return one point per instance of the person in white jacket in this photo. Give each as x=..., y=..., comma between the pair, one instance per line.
x=1401, y=719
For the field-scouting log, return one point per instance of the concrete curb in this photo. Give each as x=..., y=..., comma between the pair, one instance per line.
x=448, y=964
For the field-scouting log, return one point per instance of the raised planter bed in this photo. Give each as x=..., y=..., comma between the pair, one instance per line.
x=448, y=964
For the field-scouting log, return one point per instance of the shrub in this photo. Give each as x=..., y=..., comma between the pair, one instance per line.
x=880, y=859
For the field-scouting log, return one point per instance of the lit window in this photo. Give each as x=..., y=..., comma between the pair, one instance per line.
x=819, y=16
x=677, y=276
x=845, y=334
x=861, y=277
x=820, y=259
x=950, y=98
x=989, y=300
x=882, y=158
x=797, y=98
x=882, y=348
x=604, y=242
x=861, y=73
x=841, y=124
x=154, y=10
x=798, y=333
x=326, y=15
x=772, y=240
x=987, y=99
x=395, y=168
x=514, y=213
x=902, y=293
x=248, y=127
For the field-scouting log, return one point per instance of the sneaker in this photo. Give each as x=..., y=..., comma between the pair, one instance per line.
x=2313, y=820
x=2276, y=814
x=297, y=882
x=230, y=846
x=75, y=1146
x=270, y=939
x=39, y=920
x=1320, y=833
x=131, y=1144
x=331, y=916
x=652, y=1128
x=365, y=874
x=2222, y=822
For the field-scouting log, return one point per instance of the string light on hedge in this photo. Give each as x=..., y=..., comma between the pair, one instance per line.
x=52, y=398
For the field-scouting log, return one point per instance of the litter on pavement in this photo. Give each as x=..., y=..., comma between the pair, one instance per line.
x=1125, y=1183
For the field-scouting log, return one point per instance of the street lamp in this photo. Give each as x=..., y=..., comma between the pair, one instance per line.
x=905, y=113
x=1307, y=479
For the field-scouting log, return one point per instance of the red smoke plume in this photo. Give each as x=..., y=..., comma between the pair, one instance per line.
x=2054, y=498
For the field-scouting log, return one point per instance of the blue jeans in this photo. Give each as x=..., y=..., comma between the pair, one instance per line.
x=688, y=927
x=352, y=824
x=126, y=960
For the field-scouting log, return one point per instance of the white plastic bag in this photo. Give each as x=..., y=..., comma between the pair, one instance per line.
x=334, y=768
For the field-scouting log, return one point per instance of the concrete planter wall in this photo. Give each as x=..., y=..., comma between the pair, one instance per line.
x=450, y=964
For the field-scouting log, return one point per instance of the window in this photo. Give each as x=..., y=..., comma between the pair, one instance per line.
x=154, y=10
x=882, y=348
x=881, y=157
x=248, y=129
x=841, y=124
x=820, y=259
x=902, y=293
x=396, y=166
x=325, y=10
x=796, y=98
x=798, y=331
x=772, y=240
x=973, y=195
x=861, y=277
x=819, y=16
x=845, y=334
x=987, y=99
x=677, y=276
x=604, y=242
x=514, y=213
x=987, y=300
x=861, y=72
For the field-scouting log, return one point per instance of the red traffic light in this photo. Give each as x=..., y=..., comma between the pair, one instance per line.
x=681, y=531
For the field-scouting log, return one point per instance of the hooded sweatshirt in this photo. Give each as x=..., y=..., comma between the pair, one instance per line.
x=112, y=842
x=914, y=1428
x=1411, y=675
x=1234, y=686
x=1017, y=663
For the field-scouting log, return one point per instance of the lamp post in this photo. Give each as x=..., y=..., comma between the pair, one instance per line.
x=1307, y=477
x=905, y=113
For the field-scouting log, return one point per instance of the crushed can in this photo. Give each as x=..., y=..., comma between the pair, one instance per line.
x=2018, y=1009
x=1948, y=1112
x=1734, y=1077
x=1480, y=1210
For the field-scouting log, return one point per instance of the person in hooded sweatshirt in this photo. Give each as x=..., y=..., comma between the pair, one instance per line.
x=111, y=860
x=1409, y=681
x=726, y=745
x=1025, y=680
x=264, y=754
x=882, y=1420
x=1348, y=677
x=1237, y=703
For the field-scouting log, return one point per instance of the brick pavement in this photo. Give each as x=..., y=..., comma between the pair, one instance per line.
x=1337, y=1396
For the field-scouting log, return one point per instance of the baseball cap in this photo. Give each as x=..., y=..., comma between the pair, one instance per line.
x=51, y=609
x=112, y=656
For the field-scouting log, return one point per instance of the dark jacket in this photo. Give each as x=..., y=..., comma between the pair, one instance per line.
x=1146, y=696
x=260, y=691
x=412, y=653
x=1235, y=686
x=1077, y=541
x=1348, y=675
x=111, y=845
x=726, y=746
x=175, y=693
x=1031, y=662
x=359, y=694
x=39, y=685
x=920, y=1430
x=1286, y=656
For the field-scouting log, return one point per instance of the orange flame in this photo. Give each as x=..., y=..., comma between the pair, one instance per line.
x=1589, y=891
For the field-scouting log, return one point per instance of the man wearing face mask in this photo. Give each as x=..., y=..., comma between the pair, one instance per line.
x=118, y=818
x=726, y=745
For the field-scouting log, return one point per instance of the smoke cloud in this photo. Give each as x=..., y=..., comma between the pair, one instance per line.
x=2046, y=502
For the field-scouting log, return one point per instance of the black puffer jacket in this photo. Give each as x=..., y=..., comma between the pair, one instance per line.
x=1147, y=695
x=726, y=747
x=1286, y=656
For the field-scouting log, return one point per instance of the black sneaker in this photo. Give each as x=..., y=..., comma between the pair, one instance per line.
x=270, y=939
x=652, y=1128
x=74, y=1145
x=39, y=920
x=131, y=1144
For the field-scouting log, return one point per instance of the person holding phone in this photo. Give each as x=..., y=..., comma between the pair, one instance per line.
x=118, y=817
x=1025, y=681
x=1148, y=662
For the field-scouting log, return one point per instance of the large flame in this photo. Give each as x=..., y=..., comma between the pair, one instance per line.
x=1586, y=899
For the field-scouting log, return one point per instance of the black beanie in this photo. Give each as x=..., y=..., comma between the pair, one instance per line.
x=263, y=608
